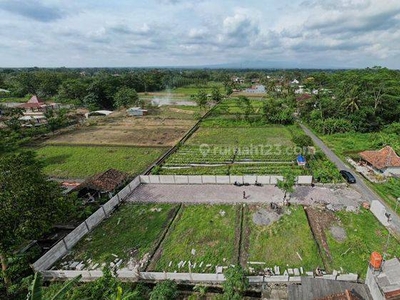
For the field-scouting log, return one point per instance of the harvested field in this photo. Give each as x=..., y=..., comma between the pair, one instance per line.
x=126, y=131
x=121, y=136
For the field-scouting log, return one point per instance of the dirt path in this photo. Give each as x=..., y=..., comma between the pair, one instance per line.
x=321, y=220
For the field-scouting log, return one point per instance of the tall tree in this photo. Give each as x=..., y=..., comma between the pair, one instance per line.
x=29, y=204
x=235, y=283
x=35, y=289
x=126, y=96
x=164, y=290
x=201, y=98
x=287, y=184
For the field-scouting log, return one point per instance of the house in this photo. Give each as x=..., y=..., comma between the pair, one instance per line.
x=326, y=289
x=34, y=104
x=257, y=89
x=384, y=282
x=385, y=161
x=136, y=111
x=294, y=82
x=100, y=184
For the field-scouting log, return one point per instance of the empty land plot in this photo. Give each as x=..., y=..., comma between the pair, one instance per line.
x=84, y=161
x=361, y=235
x=203, y=235
x=283, y=242
x=115, y=135
x=131, y=232
x=163, y=128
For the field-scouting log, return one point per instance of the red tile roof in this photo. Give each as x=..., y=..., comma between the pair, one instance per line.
x=104, y=182
x=386, y=157
x=34, y=102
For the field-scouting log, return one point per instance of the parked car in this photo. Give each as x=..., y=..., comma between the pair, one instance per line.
x=348, y=176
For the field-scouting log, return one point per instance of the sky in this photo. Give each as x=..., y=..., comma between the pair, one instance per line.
x=164, y=33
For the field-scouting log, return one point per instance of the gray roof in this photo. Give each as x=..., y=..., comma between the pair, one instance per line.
x=389, y=278
x=315, y=288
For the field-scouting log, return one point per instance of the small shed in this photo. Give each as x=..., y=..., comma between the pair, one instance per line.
x=98, y=113
x=35, y=103
x=301, y=160
x=100, y=184
x=136, y=111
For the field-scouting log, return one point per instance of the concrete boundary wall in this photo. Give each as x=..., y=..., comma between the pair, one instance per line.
x=379, y=211
x=62, y=247
x=217, y=179
x=126, y=275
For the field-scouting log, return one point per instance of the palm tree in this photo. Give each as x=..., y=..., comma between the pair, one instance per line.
x=351, y=99
x=35, y=290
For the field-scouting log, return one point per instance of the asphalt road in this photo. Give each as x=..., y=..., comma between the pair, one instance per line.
x=368, y=194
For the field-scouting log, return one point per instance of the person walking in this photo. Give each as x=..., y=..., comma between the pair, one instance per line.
x=244, y=194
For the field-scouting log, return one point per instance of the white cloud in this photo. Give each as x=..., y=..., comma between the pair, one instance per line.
x=160, y=32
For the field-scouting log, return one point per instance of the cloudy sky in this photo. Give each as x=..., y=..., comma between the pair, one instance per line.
x=136, y=33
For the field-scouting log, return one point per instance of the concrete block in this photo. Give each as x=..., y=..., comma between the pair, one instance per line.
x=144, y=179
x=181, y=179
x=307, y=180
x=207, y=179
x=379, y=211
x=75, y=235
x=328, y=276
x=154, y=179
x=222, y=179
x=236, y=178
x=347, y=277
x=255, y=279
x=281, y=278
x=295, y=279
x=167, y=179
x=274, y=179
x=250, y=179
x=264, y=179
x=134, y=183
x=195, y=179
x=95, y=219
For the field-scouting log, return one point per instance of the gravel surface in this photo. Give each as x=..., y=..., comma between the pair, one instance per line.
x=232, y=194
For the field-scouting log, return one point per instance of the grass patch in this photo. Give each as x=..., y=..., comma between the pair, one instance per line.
x=134, y=227
x=82, y=161
x=207, y=230
x=364, y=235
x=277, y=243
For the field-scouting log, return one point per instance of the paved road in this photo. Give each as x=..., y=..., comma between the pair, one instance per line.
x=367, y=193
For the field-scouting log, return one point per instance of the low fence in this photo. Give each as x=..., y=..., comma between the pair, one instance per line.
x=66, y=244
x=218, y=179
x=185, y=277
